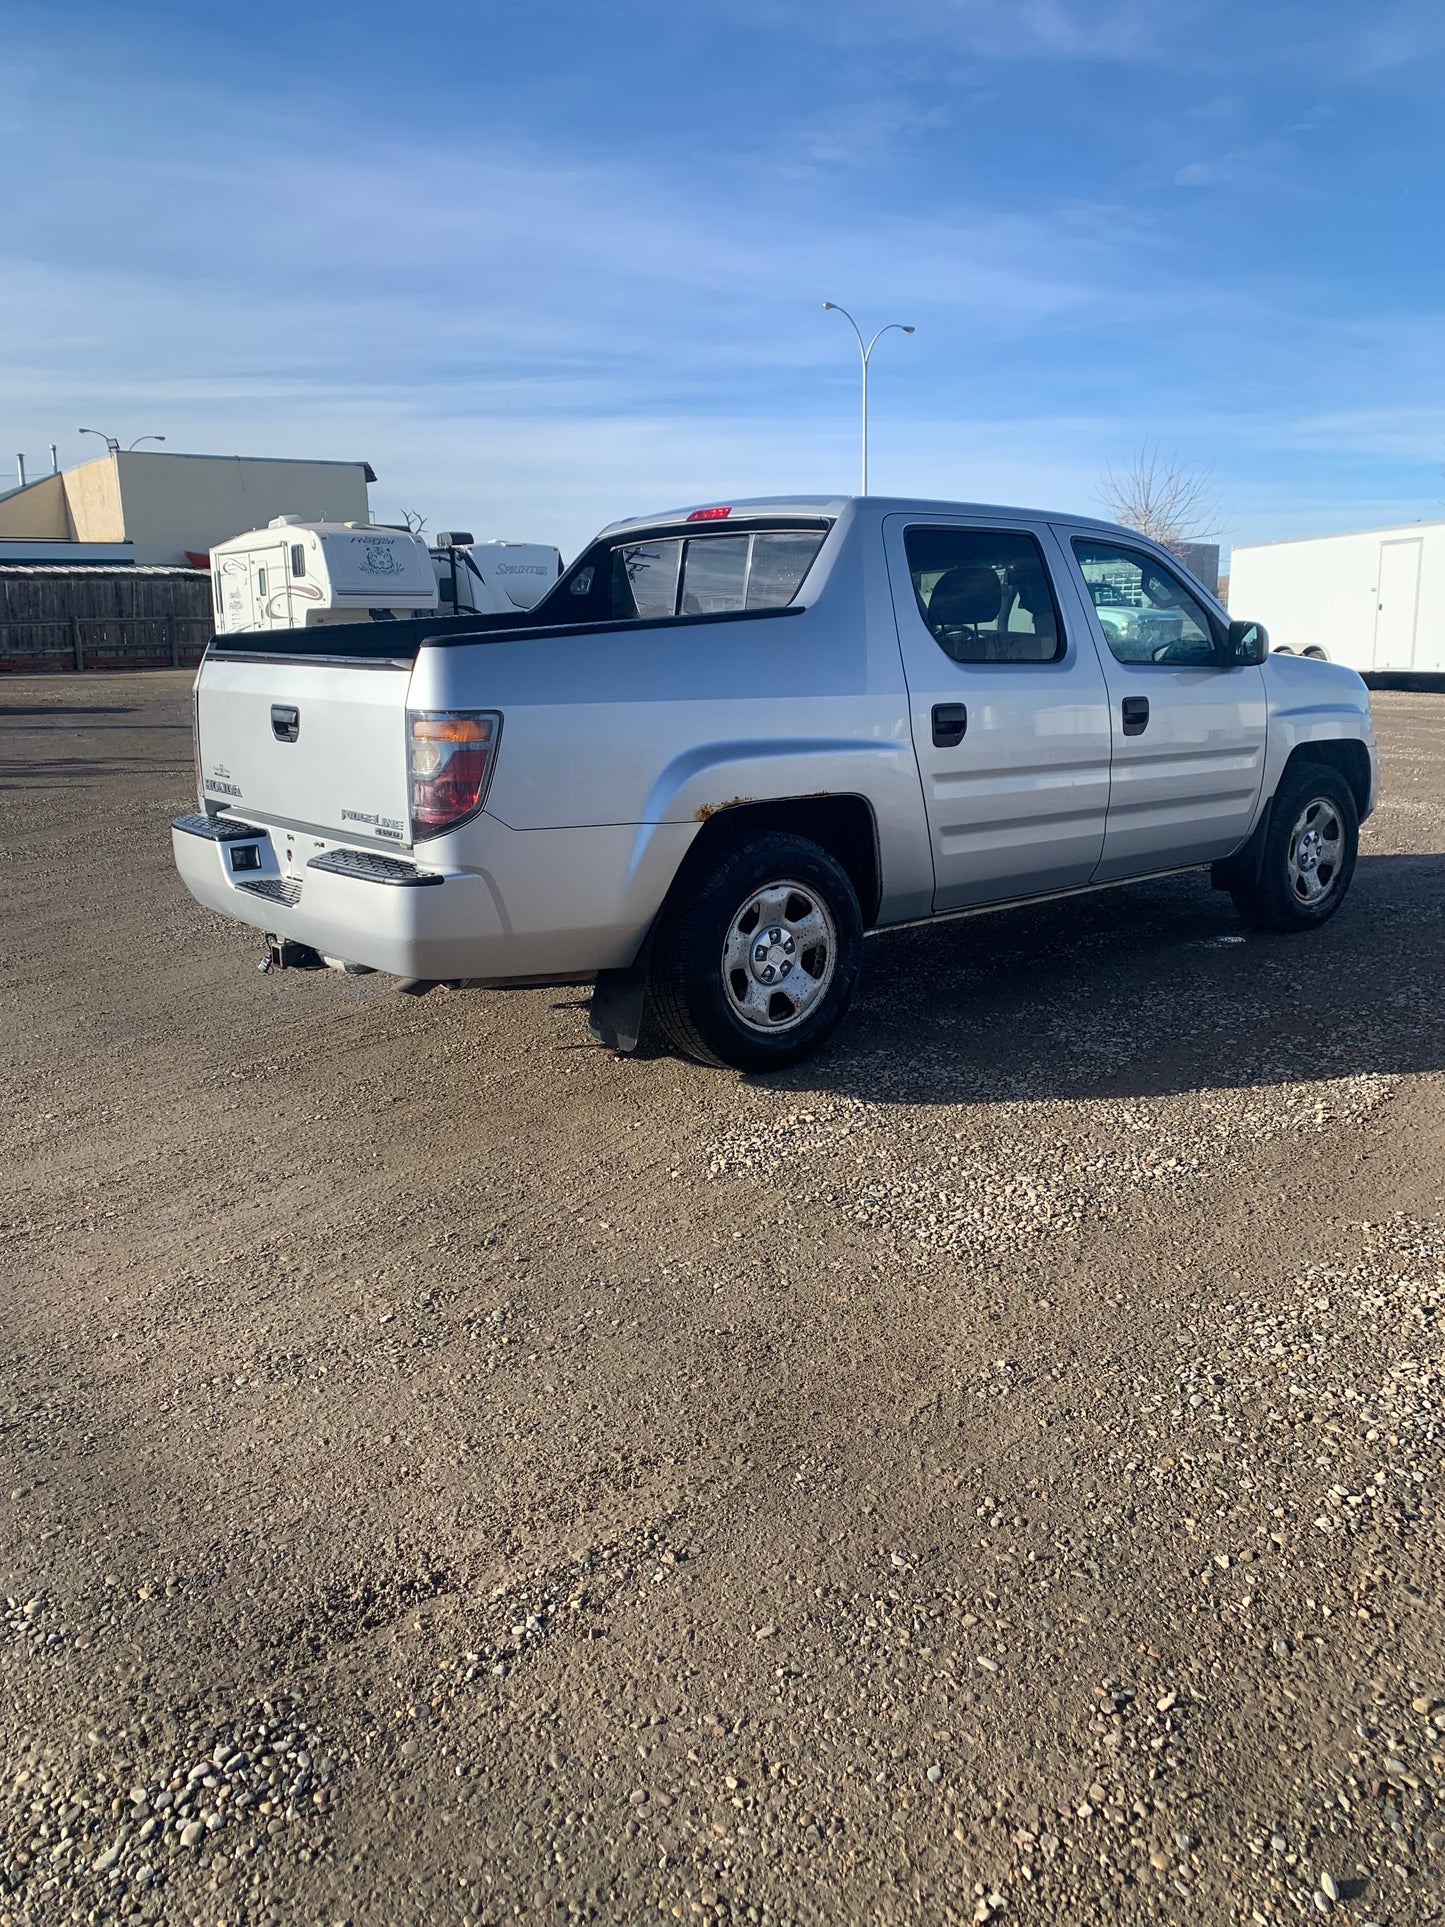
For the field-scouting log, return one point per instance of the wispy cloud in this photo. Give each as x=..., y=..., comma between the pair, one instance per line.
x=533, y=328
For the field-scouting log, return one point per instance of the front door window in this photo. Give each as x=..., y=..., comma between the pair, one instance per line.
x=1146, y=613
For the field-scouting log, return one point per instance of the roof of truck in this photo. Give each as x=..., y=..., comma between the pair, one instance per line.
x=831, y=506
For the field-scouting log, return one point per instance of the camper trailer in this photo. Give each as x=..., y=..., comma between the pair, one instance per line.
x=299, y=575
x=1374, y=601
x=492, y=578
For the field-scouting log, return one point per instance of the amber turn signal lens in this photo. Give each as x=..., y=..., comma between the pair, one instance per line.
x=451, y=760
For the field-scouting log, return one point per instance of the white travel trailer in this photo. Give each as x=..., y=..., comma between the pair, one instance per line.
x=299, y=575
x=1373, y=600
x=492, y=578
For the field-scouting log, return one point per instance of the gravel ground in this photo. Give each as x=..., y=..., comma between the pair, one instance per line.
x=454, y=1475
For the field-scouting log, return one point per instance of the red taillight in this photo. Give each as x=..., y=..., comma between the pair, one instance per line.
x=450, y=760
x=709, y=515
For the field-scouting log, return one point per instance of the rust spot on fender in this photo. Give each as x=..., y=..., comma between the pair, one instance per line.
x=705, y=810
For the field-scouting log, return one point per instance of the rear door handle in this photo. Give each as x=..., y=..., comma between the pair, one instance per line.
x=950, y=724
x=1136, y=715
x=285, y=722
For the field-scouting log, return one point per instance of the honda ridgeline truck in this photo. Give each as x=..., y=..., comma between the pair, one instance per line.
x=732, y=740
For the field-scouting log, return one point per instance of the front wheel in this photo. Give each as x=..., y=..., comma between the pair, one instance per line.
x=1308, y=855
x=757, y=959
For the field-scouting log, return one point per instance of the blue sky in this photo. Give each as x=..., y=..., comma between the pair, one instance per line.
x=545, y=265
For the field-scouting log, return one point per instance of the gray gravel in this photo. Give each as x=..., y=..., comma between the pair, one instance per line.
x=452, y=1475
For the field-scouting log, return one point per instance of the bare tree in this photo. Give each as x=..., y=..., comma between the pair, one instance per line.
x=1166, y=497
x=414, y=520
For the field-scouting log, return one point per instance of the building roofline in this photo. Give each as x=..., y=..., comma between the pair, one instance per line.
x=24, y=488
x=181, y=455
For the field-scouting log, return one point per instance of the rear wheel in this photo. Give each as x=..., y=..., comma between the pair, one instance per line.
x=1308, y=855
x=757, y=959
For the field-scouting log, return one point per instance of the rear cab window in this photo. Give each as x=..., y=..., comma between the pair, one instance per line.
x=669, y=576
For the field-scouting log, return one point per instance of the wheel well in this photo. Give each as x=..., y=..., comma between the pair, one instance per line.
x=1350, y=758
x=843, y=825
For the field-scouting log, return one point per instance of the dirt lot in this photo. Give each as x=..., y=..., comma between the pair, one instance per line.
x=453, y=1474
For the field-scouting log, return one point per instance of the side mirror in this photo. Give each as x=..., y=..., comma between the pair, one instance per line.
x=1248, y=642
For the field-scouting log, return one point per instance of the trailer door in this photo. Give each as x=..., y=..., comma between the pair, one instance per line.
x=235, y=605
x=270, y=588
x=1397, y=604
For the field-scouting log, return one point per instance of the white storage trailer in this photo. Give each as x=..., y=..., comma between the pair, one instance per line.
x=1373, y=601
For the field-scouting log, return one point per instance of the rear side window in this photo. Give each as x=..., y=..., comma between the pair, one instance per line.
x=298, y=559
x=693, y=575
x=984, y=594
x=779, y=562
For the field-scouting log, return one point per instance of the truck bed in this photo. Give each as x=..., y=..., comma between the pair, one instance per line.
x=397, y=639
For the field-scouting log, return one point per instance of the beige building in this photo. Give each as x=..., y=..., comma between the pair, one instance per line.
x=170, y=507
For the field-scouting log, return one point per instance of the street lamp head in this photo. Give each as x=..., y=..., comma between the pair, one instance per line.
x=906, y=329
x=830, y=304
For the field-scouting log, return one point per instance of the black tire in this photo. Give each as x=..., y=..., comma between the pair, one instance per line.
x=1296, y=885
x=700, y=1004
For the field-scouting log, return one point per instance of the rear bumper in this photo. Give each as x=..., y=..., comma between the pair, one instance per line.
x=544, y=903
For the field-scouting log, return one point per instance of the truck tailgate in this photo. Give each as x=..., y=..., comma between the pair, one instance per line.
x=307, y=745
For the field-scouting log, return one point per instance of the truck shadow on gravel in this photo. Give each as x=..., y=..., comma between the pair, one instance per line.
x=1149, y=990
x=62, y=772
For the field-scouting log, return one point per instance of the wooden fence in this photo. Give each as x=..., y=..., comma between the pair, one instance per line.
x=123, y=618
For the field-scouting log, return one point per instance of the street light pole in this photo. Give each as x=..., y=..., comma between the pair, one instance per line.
x=113, y=445
x=866, y=353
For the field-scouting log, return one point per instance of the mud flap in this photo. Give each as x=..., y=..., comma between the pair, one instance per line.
x=1242, y=869
x=619, y=998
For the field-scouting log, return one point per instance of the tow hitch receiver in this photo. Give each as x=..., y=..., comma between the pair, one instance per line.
x=282, y=954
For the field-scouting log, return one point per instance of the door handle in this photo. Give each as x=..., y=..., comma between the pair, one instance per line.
x=1136, y=715
x=285, y=722
x=950, y=724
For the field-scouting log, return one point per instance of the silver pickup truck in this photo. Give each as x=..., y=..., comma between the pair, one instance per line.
x=734, y=739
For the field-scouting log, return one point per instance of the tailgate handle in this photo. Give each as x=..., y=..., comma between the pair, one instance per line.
x=950, y=724
x=1136, y=715
x=285, y=722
